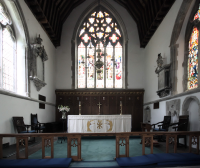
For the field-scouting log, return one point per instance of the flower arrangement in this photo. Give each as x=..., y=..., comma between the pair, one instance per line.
x=62, y=108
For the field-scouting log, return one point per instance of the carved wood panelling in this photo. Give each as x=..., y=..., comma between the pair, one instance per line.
x=132, y=103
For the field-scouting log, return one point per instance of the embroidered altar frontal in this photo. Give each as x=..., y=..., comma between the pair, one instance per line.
x=99, y=123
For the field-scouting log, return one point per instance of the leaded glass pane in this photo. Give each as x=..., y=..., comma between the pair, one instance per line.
x=100, y=72
x=193, y=60
x=81, y=66
x=3, y=18
x=8, y=60
x=90, y=67
x=109, y=66
x=91, y=20
x=118, y=66
x=108, y=20
x=86, y=38
x=100, y=15
x=114, y=38
x=197, y=15
x=101, y=28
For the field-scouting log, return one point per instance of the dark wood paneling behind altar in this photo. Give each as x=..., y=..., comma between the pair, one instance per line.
x=132, y=103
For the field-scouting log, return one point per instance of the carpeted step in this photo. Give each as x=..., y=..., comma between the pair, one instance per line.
x=160, y=159
x=36, y=163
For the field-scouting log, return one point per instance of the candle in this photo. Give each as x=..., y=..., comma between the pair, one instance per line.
x=79, y=103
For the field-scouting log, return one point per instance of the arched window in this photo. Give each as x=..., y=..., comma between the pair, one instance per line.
x=8, y=52
x=191, y=59
x=13, y=51
x=193, y=55
x=100, y=51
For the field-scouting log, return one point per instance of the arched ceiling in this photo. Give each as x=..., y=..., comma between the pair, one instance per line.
x=148, y=14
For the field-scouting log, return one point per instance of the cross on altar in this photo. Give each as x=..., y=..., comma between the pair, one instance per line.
x=99, y=107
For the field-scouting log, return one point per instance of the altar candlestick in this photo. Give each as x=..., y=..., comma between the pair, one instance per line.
x=79, y=107
x=121, y=107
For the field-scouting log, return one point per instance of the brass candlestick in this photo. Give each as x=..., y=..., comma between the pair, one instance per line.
x=120, y=107
x=79, y=107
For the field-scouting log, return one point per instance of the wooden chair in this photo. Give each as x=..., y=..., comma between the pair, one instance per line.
x=20, y=126
x=182, y=125
x=35, y=124
x=164, y=125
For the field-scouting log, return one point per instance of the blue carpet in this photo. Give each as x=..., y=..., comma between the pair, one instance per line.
x=36, y=163
x=162, y=159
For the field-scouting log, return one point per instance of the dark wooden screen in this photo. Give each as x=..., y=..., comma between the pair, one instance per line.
x=132, y=103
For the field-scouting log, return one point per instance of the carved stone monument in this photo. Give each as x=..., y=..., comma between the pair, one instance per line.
x=163, y=71
x=147, y=115
x=173, y=109
x=38, y=57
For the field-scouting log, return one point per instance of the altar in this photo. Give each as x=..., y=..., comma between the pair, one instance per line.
x=99, y=123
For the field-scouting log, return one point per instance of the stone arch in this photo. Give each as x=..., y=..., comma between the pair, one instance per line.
x=124, y=33
x=174, y=46
x=186, y=105
x=147, y=115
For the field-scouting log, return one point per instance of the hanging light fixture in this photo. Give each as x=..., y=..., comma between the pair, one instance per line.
x=98, y=64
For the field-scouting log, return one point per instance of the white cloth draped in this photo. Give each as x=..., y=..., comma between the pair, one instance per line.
x=99, y=123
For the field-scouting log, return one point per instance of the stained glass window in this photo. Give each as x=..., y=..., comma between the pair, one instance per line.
x=197, y=15
x=193, y=60
x=100, y=53
x=118, y=64
x=81, y=66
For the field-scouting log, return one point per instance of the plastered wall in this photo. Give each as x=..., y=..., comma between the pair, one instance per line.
x=135, y=75
x=160, y=44
x=12, y=106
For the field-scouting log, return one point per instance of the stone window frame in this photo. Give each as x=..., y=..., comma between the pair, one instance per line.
x=188, y=32
x=19, y=11
x=74, y=48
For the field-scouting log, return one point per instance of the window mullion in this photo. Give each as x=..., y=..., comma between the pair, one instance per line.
x=105, y=66
x=95, y=67
x=1, y=61
x=86, y=67
x=114, y=66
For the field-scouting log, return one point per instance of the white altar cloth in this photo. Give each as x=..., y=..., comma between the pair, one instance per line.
x=99, y=123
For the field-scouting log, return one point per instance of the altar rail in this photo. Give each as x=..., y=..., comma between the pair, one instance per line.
x=122, y=139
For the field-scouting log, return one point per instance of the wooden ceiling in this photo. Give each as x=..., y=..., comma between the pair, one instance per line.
x=148, y=14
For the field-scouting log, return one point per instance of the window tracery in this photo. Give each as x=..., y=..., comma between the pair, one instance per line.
x=100, y=55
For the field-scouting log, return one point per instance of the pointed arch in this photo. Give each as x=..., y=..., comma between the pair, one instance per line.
x=74, y=49
x=191, y=60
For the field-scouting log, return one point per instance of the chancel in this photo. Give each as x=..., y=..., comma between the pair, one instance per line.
x=109, y=69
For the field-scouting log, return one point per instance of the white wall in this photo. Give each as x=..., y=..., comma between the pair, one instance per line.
x=160, y=44
x=135, y=53
x=12, y=106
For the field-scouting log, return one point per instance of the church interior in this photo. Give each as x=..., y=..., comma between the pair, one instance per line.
x=119, y=65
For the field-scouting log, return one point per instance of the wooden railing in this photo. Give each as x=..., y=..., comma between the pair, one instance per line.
x=122, y=139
